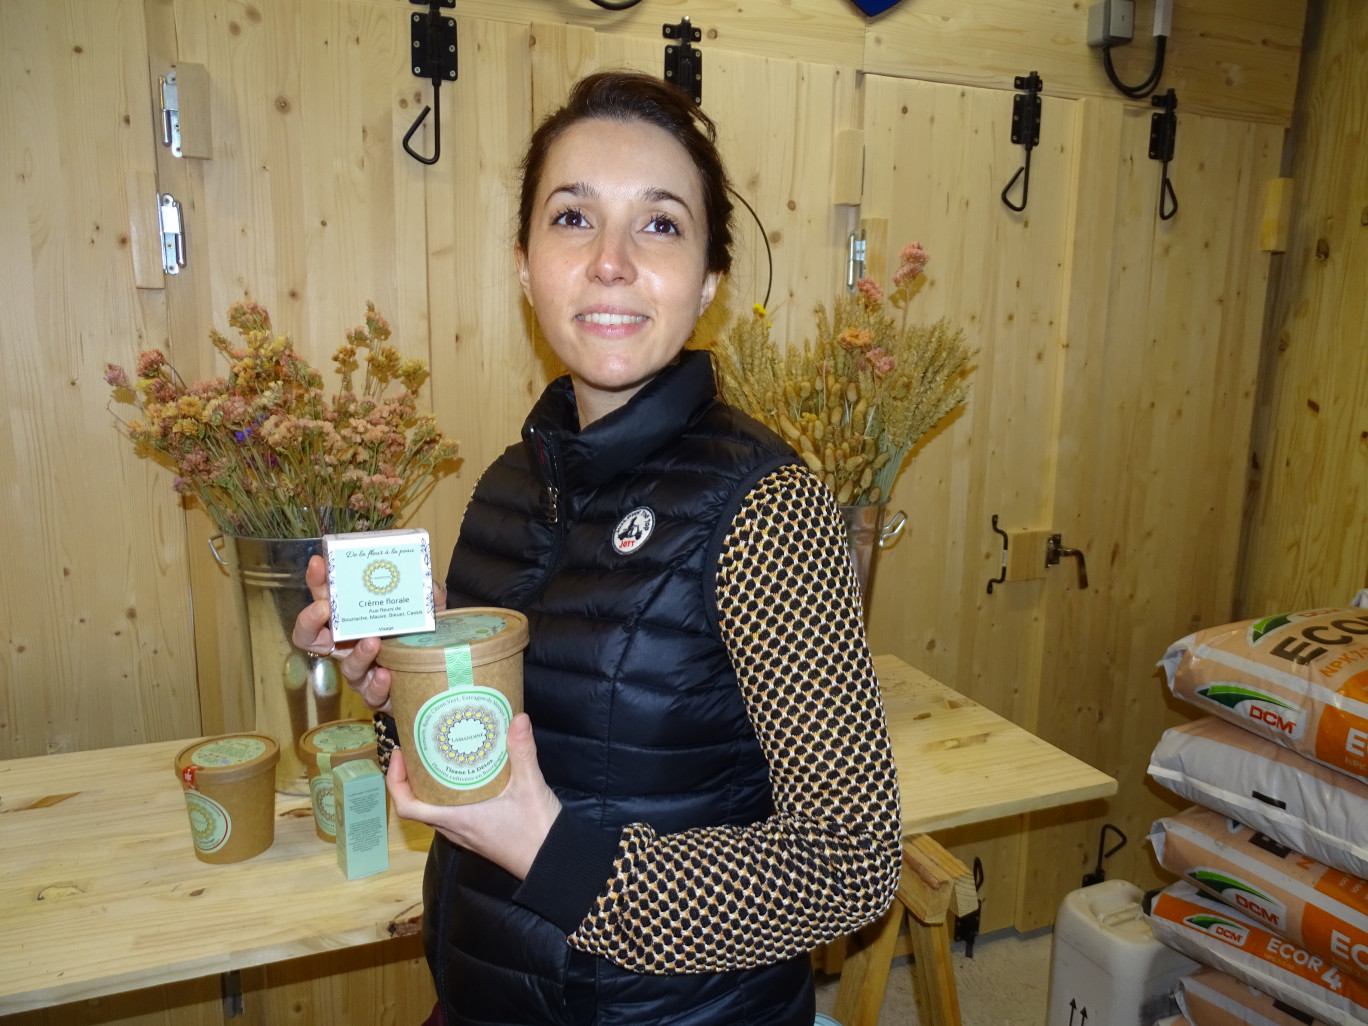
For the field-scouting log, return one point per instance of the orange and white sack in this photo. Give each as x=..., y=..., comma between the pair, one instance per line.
x=1298, y=678
x=1214, y=998
x=1324, y=910
x=1306, y=806
x=1202, y=928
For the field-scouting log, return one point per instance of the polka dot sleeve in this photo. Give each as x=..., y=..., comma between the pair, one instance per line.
x=719, y=898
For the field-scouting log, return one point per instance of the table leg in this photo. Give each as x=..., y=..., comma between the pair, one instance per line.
x=859, y=996
x=934, y=972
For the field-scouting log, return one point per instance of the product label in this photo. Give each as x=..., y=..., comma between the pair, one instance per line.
x=379, y=583
x=325, y=813
x=457, y=630
x=461, y=736
x=210, y=825
x=344, y=737
x=228, y=751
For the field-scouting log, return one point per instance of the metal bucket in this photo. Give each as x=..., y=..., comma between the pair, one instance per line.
x=866, y=533
x=295, y=690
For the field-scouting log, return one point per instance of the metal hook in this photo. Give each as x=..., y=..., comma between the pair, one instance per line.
x=1025, y=185
x=1025, y=132
x=1002, y=576
x=436, y=110
x=1163, y=134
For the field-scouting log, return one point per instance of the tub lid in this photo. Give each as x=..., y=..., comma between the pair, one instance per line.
x=492, y=634
x=227, y=757
x=339, y=736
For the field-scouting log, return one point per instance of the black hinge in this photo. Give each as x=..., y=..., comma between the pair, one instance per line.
x=684, y=64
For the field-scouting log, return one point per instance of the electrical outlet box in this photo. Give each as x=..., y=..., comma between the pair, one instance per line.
x=1111, y=23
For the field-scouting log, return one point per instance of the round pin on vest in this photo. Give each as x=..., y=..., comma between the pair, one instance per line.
x=632, y=530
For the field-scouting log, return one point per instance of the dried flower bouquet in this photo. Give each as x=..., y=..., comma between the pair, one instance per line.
x=856, y=402
x=267, y=453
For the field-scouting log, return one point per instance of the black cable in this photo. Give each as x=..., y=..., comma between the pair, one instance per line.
x=1150, y=84
x=764, y=235
x=616, y=5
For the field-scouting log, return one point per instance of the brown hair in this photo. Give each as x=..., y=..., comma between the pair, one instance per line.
x=627, y=96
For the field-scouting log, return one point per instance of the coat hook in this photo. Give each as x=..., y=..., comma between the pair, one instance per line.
x=1025, y=132
x=1163, y=132
x=434, y=57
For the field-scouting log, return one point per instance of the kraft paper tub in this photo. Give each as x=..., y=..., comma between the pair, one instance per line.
x=324, y=748
x=455, y=692
x=229, y=785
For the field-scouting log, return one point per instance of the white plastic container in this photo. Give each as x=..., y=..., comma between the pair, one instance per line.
x=1107, y=962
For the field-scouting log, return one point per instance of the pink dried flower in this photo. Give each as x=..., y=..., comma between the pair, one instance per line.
x=914, y=260
x=150, y=363
x=881, y=362
x=870, y=291
x=115, y=376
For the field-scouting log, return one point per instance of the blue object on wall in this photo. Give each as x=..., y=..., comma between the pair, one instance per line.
x=873, y=7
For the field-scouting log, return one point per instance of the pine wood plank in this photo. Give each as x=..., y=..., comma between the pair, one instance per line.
x=1227, y=57
x=1306, y=536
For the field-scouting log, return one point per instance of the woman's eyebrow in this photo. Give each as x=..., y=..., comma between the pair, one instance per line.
x=648, y=194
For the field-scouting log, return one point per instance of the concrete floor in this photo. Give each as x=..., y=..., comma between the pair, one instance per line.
x=1006, y=983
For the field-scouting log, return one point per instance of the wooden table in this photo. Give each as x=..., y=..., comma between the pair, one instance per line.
x=958, y=763
x=100, y=891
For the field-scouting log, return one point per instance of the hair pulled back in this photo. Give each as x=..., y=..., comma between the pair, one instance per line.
x=627, y=96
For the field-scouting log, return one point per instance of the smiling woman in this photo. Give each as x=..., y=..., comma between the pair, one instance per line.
x=711, y=792
x=615, y=265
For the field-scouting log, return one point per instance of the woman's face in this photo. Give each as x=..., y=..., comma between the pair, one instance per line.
x=616, y=265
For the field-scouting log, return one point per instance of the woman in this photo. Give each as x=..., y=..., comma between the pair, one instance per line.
x=711, y=791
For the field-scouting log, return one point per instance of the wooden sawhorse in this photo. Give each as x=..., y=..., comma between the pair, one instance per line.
x=934, y=887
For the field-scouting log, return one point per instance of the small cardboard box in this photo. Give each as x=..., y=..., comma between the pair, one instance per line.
x=379, y=583
x=362, y=819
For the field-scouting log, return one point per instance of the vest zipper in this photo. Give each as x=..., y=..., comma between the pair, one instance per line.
x=548, y=459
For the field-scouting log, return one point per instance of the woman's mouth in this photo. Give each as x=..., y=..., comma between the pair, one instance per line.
x=611, y=319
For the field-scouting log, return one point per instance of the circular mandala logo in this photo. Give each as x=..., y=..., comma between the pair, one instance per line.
x=210, y=826
x=461, y=736
x=381, y=577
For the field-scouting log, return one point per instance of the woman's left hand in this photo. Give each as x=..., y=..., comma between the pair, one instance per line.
x=509, y=829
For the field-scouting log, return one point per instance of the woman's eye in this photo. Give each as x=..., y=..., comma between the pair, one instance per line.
x=570, y=218
x=663, y=225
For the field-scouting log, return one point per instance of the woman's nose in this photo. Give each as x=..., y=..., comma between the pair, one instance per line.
x=611, y=261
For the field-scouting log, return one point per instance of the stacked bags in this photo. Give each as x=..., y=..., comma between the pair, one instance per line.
x=1273, y=893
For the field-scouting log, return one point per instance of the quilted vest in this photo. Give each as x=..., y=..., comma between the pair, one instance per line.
x=608, y=540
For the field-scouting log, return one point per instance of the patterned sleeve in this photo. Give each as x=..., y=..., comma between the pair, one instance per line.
x=720, y=898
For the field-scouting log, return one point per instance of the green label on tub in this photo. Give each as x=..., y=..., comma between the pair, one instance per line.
x=210, y=825
x=457, y=630
x=461, y=736
x=325, y=813
x=344, y=737
x=228, y=751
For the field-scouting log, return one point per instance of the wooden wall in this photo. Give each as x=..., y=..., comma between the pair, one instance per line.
x=1112, y=397
x=1307, y=536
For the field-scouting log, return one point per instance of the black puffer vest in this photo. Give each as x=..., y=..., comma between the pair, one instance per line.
x=636, y=710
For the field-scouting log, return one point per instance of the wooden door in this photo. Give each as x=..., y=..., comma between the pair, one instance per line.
x=98, y=642
x=1160, y=357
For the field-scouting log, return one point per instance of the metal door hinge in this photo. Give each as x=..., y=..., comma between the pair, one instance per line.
x=855, y=260
x=684, y=63
x=170, y=112
x=172, y=233
x=231, y=986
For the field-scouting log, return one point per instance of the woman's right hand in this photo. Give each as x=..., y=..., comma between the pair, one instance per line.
x=355, y=659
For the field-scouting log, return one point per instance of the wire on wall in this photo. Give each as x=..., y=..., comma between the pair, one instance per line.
x=769, y=255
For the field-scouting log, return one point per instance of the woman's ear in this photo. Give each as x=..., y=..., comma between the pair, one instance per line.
x=524, y=274
x=710, y=283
